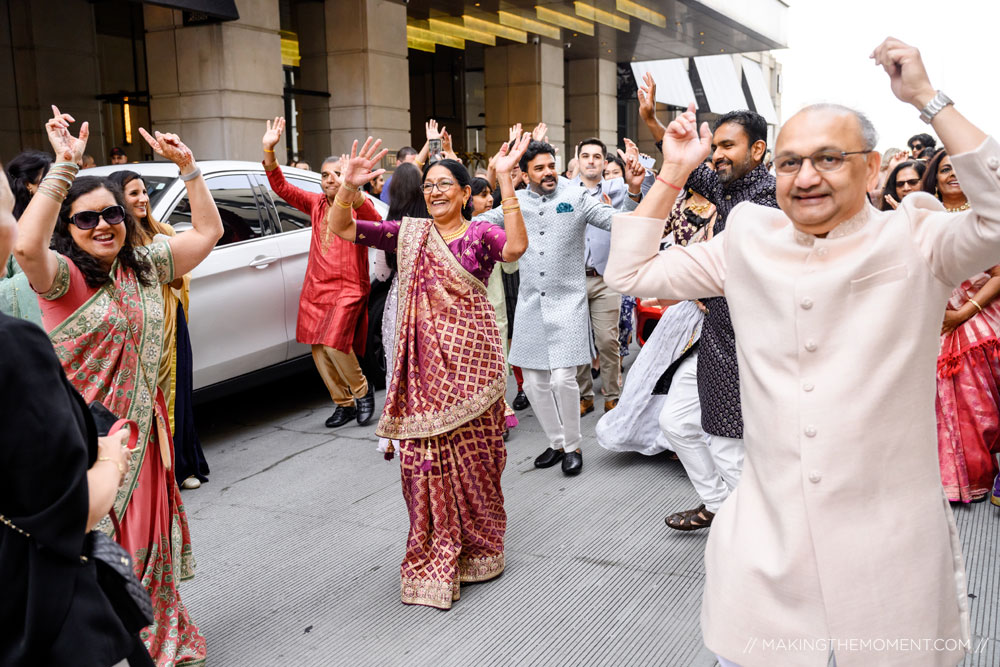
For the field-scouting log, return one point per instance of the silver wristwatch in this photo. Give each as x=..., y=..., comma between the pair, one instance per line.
x=934, y=107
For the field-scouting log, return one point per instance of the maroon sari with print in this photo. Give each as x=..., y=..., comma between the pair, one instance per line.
x=445, y=405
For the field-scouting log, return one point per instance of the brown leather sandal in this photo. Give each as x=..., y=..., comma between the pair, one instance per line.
x=695, y=519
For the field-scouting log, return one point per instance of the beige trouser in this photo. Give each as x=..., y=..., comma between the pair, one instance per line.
x=341, y=374
x=605, y=312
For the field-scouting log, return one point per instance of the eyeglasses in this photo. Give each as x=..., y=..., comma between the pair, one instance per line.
x=913, y=182
x=821, y=161
x=441, y=186
x=112, y=215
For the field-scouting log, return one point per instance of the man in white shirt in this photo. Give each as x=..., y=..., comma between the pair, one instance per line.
x=838, y=539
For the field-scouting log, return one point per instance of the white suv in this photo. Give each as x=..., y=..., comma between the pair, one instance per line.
x=245, y=295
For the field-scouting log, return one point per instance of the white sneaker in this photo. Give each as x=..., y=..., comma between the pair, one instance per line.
x=191, y=483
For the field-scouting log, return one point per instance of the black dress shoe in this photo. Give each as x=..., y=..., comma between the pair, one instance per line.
x=366, y=406
x=549, y=458
x=572, y=463
x=341, y=416
x=520, y=401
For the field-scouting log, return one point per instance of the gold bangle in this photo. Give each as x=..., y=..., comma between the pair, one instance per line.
x=508, y=199
x=976, y=304
x=512, y=210
x=121, y=468
x=348, y=187
x=267, y=150
x=340, y=202
x=358, y=204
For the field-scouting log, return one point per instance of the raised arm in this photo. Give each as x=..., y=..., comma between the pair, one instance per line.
x=31, y=249
x=517, y=236
x=958, y=245
x=191, y=247
x=910, y=83
x=356, y=170
x=647, y=107
x=684, y=149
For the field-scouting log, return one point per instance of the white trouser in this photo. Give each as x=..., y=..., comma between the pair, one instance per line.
x=555, y=400
x=712, y=463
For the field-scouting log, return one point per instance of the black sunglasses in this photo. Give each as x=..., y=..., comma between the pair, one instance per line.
x=112, y=215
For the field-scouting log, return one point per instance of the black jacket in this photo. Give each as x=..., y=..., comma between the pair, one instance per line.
x=52, y=611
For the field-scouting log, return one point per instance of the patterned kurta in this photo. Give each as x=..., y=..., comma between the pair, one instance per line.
x=333, y=307
x=718, y=372
x=552, y=320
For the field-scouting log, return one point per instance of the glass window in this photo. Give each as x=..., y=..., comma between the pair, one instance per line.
x=156, y=186
x=289, y=217
x=237, y=207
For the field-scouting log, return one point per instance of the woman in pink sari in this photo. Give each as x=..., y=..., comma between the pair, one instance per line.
x=445, y=403
x=968, y=398
x=102, y=306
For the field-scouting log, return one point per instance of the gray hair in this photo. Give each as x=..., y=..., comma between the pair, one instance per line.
x=869, y=135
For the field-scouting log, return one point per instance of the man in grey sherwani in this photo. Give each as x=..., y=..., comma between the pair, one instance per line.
x=552, y=321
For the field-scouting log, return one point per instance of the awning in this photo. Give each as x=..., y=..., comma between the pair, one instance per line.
x=673, y=86
x=756, y=89
x=224, y=10
x=720, y=83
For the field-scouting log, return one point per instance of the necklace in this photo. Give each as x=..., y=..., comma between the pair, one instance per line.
x=700, y=209
x=448, y=238
x=963, y=207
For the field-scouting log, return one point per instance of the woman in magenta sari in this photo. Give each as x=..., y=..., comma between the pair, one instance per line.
x=102, y=306
x=445, y=403
x=968, y=397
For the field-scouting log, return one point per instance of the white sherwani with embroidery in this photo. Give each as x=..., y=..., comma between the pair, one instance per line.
x=839, y=527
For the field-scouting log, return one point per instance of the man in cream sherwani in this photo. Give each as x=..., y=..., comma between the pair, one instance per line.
x=838, y=544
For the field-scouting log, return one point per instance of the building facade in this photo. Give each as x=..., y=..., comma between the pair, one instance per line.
x=214, y=70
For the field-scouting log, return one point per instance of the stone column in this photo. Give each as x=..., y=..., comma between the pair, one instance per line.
x=216, y=85
x=314, y=112
x=524, y=84
x=54, y=61
x=368, y=74
x=592, y=101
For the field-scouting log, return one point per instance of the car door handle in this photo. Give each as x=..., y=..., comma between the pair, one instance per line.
x=262, y=262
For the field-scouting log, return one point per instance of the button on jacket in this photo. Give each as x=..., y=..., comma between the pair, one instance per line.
x=552, y=320
x=839, y=527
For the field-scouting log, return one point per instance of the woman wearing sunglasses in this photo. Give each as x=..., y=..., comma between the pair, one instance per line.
x=176, y=376
x=103, y=308
x=445, y=404
x=904, y=178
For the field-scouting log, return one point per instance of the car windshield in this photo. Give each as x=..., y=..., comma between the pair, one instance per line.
x=156, y=186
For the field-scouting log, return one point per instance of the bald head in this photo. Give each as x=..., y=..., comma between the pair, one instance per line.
x=817, y=200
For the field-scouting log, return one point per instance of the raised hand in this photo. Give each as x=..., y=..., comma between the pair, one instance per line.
x=514, y=134
x=635, y=173
x=66, y=147
x=907, y=75
x=510, y=154
x=647, y=97
x=356, y=168
x=170, y=146
x=445, y=141
x=540, y=133
x=273, y=134
x=431, y=130
x=901, y=156
x=891, y=202
x=683, y=146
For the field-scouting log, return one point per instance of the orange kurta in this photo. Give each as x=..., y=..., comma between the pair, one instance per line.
x=333, y=306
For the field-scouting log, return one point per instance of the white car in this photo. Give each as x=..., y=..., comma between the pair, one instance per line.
x=245, y=295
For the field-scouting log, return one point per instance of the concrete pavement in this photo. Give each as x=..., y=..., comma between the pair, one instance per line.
x=299, y=535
